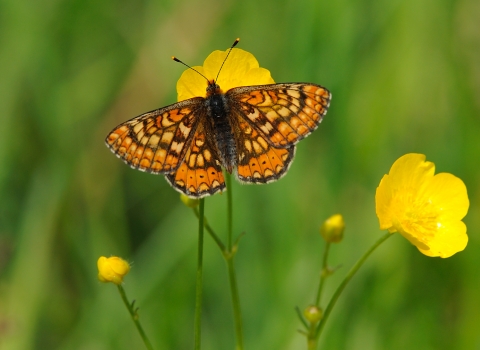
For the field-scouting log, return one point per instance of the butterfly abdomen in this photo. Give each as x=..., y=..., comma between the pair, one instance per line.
x=218, y=111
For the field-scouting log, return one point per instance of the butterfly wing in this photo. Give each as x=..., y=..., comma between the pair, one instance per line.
x=282, y=113
x=257, y=160
x=200, y=174
x=157, y=141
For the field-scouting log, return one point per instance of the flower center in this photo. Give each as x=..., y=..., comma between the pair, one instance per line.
x=418, y=216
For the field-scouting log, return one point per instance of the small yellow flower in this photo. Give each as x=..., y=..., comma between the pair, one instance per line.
x=112, y=269
x=332, y=229
x=426, y=209
x=240, y=69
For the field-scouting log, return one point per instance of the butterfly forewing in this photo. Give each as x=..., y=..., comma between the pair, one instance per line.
x=283, y=113
x=157, y=141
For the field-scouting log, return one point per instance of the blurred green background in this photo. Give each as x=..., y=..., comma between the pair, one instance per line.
x=405, y=77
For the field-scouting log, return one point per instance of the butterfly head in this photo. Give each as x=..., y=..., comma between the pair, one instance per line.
x=213, y=88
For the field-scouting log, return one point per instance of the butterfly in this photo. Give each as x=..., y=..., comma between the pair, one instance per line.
x=249, y=130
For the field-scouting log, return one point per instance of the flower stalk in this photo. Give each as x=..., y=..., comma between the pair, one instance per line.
x=228, y=252
x=199, y=284
x=134, y=314
x=347, y=279
x=324, y=274
x=229, y=255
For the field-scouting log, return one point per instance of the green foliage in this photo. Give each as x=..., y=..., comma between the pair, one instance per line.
x=404, y=77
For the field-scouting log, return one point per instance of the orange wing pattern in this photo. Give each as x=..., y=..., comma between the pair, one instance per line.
x=157, y=141
x=257, y=160
x=283, y=113
x=200, y=174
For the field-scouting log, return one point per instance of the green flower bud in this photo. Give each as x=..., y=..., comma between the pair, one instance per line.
x=313, y=314
x=332, y=229
x=189, y=202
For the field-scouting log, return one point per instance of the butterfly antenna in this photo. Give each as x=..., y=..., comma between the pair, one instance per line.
x=186, y=65
x=228, y=53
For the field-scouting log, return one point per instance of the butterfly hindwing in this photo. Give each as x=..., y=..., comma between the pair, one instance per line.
x=257, y=160
x=200, y=174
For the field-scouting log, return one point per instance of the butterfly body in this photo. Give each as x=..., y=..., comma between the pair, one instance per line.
x=218, y=113
x=252, y=129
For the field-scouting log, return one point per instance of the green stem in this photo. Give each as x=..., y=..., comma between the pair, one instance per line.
x=324, y=274
x=302, y=319
x=210, y=231
x=237, y=314
x=228, y=179
x=229, y=254
x=134, y=315
x=311, y=340
x=347, y=279
x=198, y=294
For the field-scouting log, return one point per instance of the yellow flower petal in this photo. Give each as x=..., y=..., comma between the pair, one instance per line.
x=191, y=84
x=383, y=198
x=451, y=192
x=423, y=207
x=256, y=76
x=411, y=170
x=112, y=269
x=450, y=238
x=240, y=69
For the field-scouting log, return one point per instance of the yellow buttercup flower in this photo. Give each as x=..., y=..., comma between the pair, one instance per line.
x=240, y=69
x=426, y=209
x=112, y=269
